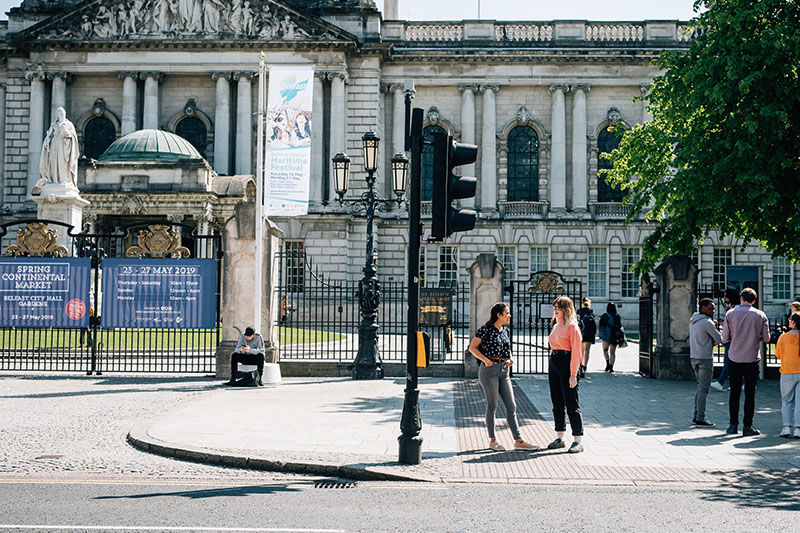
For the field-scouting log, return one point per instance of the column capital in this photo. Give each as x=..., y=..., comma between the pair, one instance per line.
x=203, y=218
x=175, y=217
x=559, y=87
x=644, y=88
x=158, y=76
x=219, y=74
x=248, y=75
x=585, y=87
x=391, y=87
x=494, y=87
x=62, y=74
x=345, y=77
x=127, y=74
x=3, y=85
x=39, y=74
x=462, y=87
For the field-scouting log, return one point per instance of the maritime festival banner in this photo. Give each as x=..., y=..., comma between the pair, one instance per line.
x=288, y=140
x=44, y=292
x=159, y=293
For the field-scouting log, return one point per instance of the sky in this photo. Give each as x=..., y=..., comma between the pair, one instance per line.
x=523, y=9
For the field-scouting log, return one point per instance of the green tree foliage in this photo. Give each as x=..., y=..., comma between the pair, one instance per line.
x=723, y=148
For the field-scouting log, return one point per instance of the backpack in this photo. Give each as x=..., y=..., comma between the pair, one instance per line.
x=588, y=325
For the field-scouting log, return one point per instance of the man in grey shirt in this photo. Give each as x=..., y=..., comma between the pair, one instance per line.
x=745, y=328
x=249, y=351
x=703, y=335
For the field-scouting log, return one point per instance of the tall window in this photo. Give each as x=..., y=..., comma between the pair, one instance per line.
x=523, y=165
x=630, y=284
x=722, y=258
x=98, y=134
x=540, y=259
x=448, y=266
x=598, y=271
x=294, y=259
x=606, y=143
x=781, y=279
x=193, y=130
x=507, y=256
x=427, y=162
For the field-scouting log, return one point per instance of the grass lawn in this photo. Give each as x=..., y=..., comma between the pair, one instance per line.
x=287, y=335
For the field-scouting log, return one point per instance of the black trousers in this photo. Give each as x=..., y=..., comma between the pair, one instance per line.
x=247, y=359
x=736, y=373
x=563, y=396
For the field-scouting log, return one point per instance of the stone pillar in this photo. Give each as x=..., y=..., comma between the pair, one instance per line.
x=677, y=279
x=317, y=138
x=128, y=102
x=646, y=116
x=2, y=142
x=35, y=126
x=580, y=184
x=390, y=10
x=488, y=179
x=237, y=279
x=58, y=97
x=151, y=103
x=61, y=202
x=558, y=152
x=338, y=139
x=244, y=122
x=222, y=123
x=486, y=289
x=398, y=118
x=468, y=129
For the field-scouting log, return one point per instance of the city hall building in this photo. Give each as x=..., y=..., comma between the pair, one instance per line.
x=537, y=98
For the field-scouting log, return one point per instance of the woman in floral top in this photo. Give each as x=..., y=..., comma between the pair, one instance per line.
x=492, y=347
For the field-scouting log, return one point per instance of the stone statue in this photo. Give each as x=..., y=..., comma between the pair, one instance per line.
x=59, y=163
x=212, y=15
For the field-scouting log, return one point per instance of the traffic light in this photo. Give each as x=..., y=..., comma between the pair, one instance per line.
x=448, y=187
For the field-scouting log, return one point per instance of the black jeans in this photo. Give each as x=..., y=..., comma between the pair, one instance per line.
x=737, y=372
x=247, y=359
x=564, y=396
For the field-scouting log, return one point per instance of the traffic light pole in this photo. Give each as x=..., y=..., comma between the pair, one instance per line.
x=410, y=443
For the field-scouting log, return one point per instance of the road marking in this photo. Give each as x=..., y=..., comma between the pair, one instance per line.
x=167, y=528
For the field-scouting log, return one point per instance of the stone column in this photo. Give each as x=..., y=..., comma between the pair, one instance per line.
x=338, y=138
x=390, y=10
x=317, y=153
x=35, y=126
x=2, y=142
x=558, y=151
x=222, y=123
x=244, y=122
x=677, y=279
x=488, y=179
x=398, y=118
x=646, y=116
x=58, y=97
x=128, y=102
x=151, y=103
x=486, y=289
x=468, y=129
x=580, y=184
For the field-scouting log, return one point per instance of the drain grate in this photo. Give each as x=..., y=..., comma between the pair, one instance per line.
x=48, y=457
x=334, y=484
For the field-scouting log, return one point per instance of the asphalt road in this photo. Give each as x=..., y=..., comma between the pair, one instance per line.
x=130, y=504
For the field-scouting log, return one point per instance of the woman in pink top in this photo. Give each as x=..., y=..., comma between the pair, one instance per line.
x=565, y=358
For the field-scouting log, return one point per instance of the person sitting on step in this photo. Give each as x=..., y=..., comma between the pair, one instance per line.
x=249, y=351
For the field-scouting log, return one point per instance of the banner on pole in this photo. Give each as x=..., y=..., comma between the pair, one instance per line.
x=44, y=292
x=288, y=140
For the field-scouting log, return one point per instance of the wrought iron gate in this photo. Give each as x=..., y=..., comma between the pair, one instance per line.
x=531, y=304
x=98, y=349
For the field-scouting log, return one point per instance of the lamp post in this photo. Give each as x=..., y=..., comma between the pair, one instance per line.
x=368, y=361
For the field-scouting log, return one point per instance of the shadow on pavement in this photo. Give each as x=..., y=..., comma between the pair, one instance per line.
x=760, y=489
x=209, y=493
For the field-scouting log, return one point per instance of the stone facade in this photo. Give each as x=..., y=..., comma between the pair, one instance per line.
x=478, y=80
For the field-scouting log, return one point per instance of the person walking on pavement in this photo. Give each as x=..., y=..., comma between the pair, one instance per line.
x=492, y=347
x=788, y=351
x=745, y=327
x=565, y=358
x=249, y=351
x=588, y=332
x=731, y=297
x=610, y=323
x=703, y=334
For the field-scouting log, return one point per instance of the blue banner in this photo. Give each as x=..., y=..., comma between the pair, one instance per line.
x=159, y=293
x=44, y=292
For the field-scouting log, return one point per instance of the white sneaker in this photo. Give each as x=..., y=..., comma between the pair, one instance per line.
x=797, y=433
x=716, y=386
x=786, y=432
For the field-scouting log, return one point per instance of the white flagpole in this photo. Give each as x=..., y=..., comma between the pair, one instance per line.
x=260, y=173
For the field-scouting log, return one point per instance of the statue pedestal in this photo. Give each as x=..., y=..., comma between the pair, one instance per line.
x=62, y=202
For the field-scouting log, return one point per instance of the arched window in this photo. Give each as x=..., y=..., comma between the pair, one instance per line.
x=98, y=134
x=606, y=143
x=523, y=165
x=427, y=162
x=193, y=130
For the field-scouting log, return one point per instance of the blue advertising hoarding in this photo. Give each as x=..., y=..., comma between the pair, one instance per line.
x=159, y=293
x=44, y=292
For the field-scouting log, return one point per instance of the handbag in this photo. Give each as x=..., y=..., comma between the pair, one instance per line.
x=619, y=337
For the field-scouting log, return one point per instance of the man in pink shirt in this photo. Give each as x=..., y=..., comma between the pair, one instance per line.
x=745, y=328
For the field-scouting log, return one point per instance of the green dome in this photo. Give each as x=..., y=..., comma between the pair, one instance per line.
x=150, y=145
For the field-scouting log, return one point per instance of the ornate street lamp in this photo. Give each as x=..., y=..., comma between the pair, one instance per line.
x=368, y=361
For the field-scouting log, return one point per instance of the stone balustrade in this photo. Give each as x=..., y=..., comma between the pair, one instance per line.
x=523, y=209
x=608, y=210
